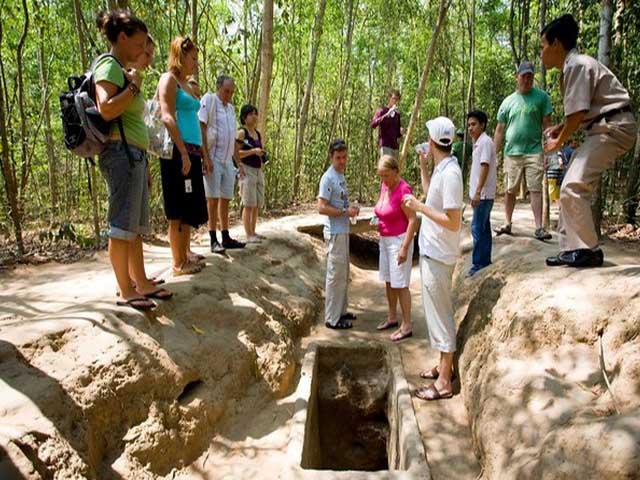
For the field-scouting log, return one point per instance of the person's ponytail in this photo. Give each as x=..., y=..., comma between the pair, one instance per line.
x=112, y=23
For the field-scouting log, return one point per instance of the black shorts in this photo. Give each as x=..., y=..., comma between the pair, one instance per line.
x=188, y=207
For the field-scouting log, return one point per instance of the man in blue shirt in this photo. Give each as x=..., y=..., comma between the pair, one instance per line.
x=333, y=201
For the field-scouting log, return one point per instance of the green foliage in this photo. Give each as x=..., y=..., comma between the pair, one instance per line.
x=390, y=41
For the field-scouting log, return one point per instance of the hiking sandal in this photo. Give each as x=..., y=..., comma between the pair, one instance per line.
x=431, y=392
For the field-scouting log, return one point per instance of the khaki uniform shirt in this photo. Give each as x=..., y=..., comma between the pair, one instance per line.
x=587, y=85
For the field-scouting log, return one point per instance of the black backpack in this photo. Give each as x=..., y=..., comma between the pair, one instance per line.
x=85, y=131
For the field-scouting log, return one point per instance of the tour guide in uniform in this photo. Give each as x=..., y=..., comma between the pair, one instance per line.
x=596, y=101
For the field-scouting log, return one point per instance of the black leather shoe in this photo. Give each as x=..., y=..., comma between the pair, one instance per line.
x=581, y=258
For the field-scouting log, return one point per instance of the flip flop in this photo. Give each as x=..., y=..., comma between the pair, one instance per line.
x=402, y=336
x=429, y=393
x=155, y=281
x=386, y=325
x=139, y=303
x=159, y=294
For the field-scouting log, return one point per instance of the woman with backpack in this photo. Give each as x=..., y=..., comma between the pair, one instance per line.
x=182, y=185
x=124, y=161
x=252, y=157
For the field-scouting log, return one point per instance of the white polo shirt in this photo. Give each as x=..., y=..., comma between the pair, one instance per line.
x=484, y=151
x=445, y=193
x=224, y=128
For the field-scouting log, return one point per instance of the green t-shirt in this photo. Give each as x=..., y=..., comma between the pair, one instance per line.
x=456, y=151
x=108, y=69
x=522, y=116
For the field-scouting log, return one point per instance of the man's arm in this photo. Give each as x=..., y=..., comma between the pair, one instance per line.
x=498, y=137
x=484, y=174
x=378, y=117
x=567, y=129
x=425, y=176
x=324, y=208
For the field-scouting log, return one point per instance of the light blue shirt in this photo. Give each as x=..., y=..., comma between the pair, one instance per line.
x=333, y=187
x=224, y=127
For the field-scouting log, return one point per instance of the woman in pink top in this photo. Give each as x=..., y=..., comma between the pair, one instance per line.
x=397, y=226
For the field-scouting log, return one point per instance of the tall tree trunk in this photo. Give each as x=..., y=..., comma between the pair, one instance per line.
x=604, y=48
x=344, y=74
x=92, y=166
x=442, y=11
x=546, y=220
x=194, y=27
x=8, y=173
x=315, y=43
x=266, y=66
x=472, y=72
x=48, y=135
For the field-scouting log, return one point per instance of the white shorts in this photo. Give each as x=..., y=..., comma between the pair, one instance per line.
x=221, y=183
x=399, y=276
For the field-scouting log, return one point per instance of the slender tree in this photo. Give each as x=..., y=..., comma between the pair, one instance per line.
x=315, y=43
x=442, y=12
x=266, y=64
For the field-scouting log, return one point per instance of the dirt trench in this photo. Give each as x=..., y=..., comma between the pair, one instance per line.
x=93, y=392
x=532, y=373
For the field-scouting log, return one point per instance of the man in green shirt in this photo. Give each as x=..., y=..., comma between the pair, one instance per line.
x=463, y=157
x=521, y=119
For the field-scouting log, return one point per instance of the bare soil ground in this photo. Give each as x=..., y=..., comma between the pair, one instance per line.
x=199, y=389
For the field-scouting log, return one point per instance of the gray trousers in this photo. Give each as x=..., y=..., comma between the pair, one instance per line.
x=606, y=140
x=335, y=303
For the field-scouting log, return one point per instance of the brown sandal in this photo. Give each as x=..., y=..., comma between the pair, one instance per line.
x=434, y=373
x=387, y=325
x=431, y=392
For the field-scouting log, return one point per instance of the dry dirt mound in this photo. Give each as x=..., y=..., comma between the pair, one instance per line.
x=89, y=391
x=531, y=366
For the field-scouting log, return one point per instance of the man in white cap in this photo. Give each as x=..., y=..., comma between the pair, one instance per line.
x=521, y=118
x=439, y=241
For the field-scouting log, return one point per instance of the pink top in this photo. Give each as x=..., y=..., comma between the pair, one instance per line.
x=391, y=219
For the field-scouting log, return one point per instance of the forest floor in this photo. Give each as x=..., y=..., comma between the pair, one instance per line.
x=202, y=388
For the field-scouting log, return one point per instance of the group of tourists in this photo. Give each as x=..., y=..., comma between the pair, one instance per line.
x=209, y=152
x=594, y=101
x=199, y=178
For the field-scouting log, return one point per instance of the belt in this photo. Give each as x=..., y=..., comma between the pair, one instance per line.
x=609, y=114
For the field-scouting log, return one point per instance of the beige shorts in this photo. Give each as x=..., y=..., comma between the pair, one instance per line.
x=528, y=166
x=388, y=151
x=252, y=187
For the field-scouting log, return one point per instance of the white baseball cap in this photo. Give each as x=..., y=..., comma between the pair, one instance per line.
x=442, y=131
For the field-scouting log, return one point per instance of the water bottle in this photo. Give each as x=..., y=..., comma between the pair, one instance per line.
x=422, y=148
x=354, y=220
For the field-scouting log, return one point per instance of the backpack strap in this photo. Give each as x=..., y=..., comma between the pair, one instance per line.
x=120, y=90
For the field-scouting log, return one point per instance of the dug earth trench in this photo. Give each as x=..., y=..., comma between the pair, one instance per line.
x=203, y=387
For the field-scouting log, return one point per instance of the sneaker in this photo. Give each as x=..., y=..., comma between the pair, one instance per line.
x=232, y=244
x=542, y=234
x=253, y=239
x=217, y=248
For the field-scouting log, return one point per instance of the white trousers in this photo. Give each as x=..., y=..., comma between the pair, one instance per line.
x=437, y=301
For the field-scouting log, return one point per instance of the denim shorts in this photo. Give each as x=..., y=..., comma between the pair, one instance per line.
x=128, y=214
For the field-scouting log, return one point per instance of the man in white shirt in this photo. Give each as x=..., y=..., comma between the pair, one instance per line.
x=439, y=249
x=218, y=124
x=482, y=189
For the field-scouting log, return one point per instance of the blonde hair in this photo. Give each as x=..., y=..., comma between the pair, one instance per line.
x=180, y=46
x=387, y=162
